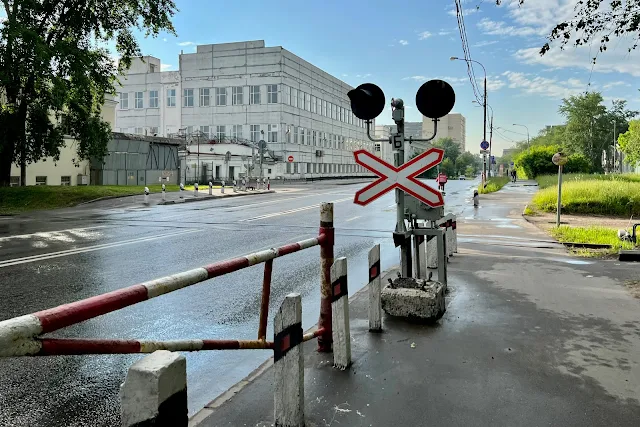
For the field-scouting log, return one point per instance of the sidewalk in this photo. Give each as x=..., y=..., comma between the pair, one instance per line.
x=531, y=337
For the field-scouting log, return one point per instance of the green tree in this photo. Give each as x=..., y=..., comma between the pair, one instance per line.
x=470, y=171
x=630, y=143
x=447, y=167
x=55, y=71
x=466, y=160
x=451, y=148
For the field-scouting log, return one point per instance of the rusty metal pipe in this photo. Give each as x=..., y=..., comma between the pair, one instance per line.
x=264, y=303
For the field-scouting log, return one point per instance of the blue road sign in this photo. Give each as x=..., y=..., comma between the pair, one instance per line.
x=484, y=145
x=493, y=160
x=511, y=164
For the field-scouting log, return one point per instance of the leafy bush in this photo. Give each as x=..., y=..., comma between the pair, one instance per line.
x=493, y=184
x=536, y=161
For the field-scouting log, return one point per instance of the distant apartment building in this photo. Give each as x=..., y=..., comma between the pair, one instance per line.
x=411, y=129
x=452, y=126
x=384, y=149
x=508, y=151
x=246, y=92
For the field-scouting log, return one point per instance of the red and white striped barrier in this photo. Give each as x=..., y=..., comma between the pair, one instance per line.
x=18, y=336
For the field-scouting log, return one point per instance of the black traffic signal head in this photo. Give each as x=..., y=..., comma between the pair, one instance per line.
x=367, y=101
x=435, y=99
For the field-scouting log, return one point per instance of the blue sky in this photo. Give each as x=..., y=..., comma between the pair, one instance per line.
x=399, y=45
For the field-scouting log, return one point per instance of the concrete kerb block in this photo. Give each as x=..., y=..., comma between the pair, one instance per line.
x=288, y=364
x=375, y=287
x=432, y=252
x=155, y=392
x=340, y=314
x=414, y=299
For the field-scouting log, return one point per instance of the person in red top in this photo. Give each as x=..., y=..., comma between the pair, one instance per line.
x=441, y=179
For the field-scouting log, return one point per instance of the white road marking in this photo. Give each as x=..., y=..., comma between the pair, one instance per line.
x=351, y=219
x=50, y=255
x=47, y=234
x=290, y=211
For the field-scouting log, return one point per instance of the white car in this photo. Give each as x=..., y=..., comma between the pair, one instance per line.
x=462, y=177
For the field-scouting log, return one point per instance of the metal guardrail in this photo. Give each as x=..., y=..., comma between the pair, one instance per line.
x=21, y=336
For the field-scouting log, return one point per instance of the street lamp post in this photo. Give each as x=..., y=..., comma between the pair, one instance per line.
x=484, y=105
x=490, y=135
x=528, y=143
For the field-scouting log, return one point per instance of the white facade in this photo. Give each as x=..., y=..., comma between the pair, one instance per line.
x=248, y=91
x=384, y=149
x=452, y=126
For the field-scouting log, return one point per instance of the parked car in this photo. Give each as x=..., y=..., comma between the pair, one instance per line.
x=462, y=177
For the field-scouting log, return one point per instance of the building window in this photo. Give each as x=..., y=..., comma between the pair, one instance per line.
x=124, y=101
x=301, y=135
x=268, y=170
x=341, y=114
x=41, y=180
x=308, y=167
x=153, y=99
x=221, y=96
x=65, y=181
x=333, y=111
x=153, y=130
x=236, y=95
x=272, y=135
x=313, y=104
x=187, y=95
x=287, y=95
x=189, y=130
x=254, y=94
x=171, y=97
x=15, y=181
x=205, y=99
x=138, y=131
x=272, y=94
x=152, y=68
x=324, y=108
x=236, y=131
x=288, y=167
x=307, y=100
x=295, y=168
x=255, y=130
x=295, y=135
x=301, y=100
x=294, y=97
x=318, y=106
x=205, y=130
x=314, y=136
x=138, y=97
x=220, y=132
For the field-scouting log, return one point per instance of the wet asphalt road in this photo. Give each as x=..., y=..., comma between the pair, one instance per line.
x=62, y=256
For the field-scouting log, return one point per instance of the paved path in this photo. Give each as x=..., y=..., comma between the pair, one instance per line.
x=531, y=337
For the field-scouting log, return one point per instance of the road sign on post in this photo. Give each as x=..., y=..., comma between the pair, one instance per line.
x=290, y=158
x=402, y=177
x=484, y=145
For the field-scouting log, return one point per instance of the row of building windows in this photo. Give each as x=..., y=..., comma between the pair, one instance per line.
x=41, y=180
x=291, y=96
x=302, y=167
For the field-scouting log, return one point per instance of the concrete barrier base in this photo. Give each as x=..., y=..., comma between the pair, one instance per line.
x=414, y=299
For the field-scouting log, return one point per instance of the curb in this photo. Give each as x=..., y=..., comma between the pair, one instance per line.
x=207, y=197
x=199, y=417
x=106, y=198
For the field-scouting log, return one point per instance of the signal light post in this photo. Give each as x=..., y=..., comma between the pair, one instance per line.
x=434, y=99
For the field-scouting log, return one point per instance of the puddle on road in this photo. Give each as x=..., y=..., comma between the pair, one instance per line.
x=572, y=261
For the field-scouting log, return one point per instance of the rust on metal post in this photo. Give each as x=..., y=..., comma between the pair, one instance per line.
x=264, y=304
x=325, y=340
x=312, y=335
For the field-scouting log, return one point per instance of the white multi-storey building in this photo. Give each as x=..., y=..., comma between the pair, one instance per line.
x=453, y=126
x=247, y=91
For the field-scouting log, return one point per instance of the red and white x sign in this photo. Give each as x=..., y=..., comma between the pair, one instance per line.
x=403, y=177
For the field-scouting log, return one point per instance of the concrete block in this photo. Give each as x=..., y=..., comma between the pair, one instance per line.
x=414, y=299
x=155, y=392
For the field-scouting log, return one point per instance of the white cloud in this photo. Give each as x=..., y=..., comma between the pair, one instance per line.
x=165, y=67
x=485, y=43
x=536, y=85
x=614, y=84
x=500, y=28
x=403, y=42
x=186, y=43
x=494, y=83
x=424, y=35
x=345, y=75
x=465, y=11
x=444, y=32
x=613, y=60
x=454, y=81
x=416, y=78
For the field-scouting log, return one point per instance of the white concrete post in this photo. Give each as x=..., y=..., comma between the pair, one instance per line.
x=268, y=184
x=288, y=364
x=195, y=189
x=210, y=188
x=449, y=234
x=264, y=183
x=375, y=287
x=181, y=190
x=234, y=186
x=244, y=184
x=476, y=199
x=454, y=231
x=146, y=195
x=155, y=391
x=222, y=188
x=164, y=193
x=340, y=314
x=432, y=253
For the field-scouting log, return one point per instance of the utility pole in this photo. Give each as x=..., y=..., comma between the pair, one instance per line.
x=490, y=140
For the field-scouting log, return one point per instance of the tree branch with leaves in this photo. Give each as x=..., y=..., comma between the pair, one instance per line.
x=55, y=72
